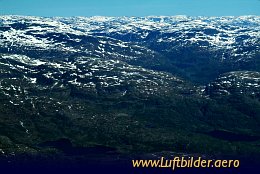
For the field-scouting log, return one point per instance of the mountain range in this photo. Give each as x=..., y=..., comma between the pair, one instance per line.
x=129, y=85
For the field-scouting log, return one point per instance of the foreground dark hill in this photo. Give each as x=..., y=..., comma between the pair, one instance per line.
x=96, y=87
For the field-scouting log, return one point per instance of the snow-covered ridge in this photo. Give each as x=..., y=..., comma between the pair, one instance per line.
x=238, y=82
x=216, y=32
x=130, y=24
x=174, y=44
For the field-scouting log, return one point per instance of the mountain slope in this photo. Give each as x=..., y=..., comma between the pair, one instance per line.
x=129, y=85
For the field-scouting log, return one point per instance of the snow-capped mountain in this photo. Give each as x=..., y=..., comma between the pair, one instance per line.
x=212, y=31
x=158, y=43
